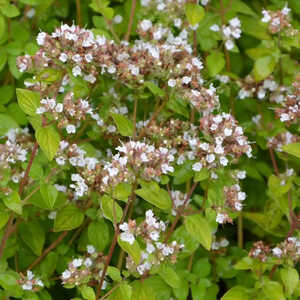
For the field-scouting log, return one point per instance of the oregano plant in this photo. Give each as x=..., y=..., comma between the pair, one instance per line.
x=149, y=150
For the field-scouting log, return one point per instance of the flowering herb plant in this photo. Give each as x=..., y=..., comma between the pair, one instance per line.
x=153, y=156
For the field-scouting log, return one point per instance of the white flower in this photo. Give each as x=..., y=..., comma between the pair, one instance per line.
x=111, y=128
x=238, y=206
x=266, y=18
x=210, y=158
x=41, y=38
x=235, y=22
x=76, y=58
x=40, y=110
x=186, y=80
x=241, y=196
x=220, y=218
x=118, y=19
x=229, y=44
x=224, y=243
x=285, y=11
x=166, y=168
x=277, y=251
x=197, y=167
x=90, y=249
x=146, y=25
x=127, y=237
x=88, y=57
x=63, y=57
x=52, y=215
x=284, y=117
x=112, y=69
x=27, y=286
x=228, y=132
x=150, y=248
x=172, y=83
x=177, y=23
x=161, y=6
x=204, y=2
x=71, y=128
x=77, y=262
x=223, y=161
x=66, y=274
x=76, y=71
x=215, y=27
x=241, y=174
x=59, y=107
x=88, y=262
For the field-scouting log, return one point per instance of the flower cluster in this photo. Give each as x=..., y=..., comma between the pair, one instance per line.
x=267, y=88
x=179, y=200
x=228, y=137
x=82, y=270
x=277, y=20
x=136, y=160
x=219, y=244
x=234, y=197
x=150, y=232
x=260, y=251
x=289, y=112
x=282, y=139
x=89, y=56
x=290, y=248
x=67, y=113
x=30, y=282
x=230, y=32
x=15, y=148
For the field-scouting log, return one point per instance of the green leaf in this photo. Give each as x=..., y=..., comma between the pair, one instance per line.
x=98, y=233
x=49, y=194
x=194, y=13
x=215, y=63
x=273, y=290
x=6, y=123
x=68, y=218
x=123, y=292
x=293, y=149
x=152, y=193
x=133, y=250
x=10, y=10
x=245, y=263
x=28, y=101
x=13, y=202
x=290, y=279
x=142, y=291
x=6, y=92
x=49, y=75
x=33, y=235
x=4, y=216
x=122, y=191
x=114, y=273
x=3, y=56
x=198, y=227
x=9, y=282
x=183, y=172
x=236, y=293
x=88, y=293
x=48, y=139
x=202, y=175
x=263, y=67
x=48, y=265
x=125, y=127
x=111, y=209
x=253, y=27
x=157, y=91
x=169, y=276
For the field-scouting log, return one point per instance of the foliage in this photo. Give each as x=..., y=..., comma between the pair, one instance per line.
x=154, y=155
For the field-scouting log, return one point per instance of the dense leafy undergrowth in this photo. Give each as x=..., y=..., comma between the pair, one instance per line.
x=149, y=150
